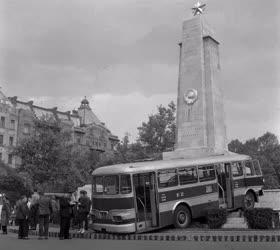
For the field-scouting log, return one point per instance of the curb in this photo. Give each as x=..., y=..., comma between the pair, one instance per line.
x=154, y=237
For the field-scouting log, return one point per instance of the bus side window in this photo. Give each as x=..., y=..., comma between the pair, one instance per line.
x=249, y=169
x=236, y=169
x=187, y=175
x=257, y=167
x=206, y=173
x=167, y=178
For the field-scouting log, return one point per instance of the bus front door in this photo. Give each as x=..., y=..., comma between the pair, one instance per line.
x=225, y=185
x=146, y=201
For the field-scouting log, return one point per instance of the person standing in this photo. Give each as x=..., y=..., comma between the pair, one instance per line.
x=5, y=214
x=83, y=211
x=44, y=209
x=65, y=212
x=34, y=216
x=55, y=210
x=22, y=213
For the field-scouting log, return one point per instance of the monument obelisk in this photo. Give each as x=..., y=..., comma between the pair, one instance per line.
x=200, y=127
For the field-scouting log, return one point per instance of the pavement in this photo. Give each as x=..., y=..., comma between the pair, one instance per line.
x=172, y=234
x=10, y=242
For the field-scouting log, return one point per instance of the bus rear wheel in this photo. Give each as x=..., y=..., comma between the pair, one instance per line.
x=249, y=200
x=182, y=217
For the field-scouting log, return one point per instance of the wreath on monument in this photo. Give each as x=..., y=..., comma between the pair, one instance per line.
x=190, y=97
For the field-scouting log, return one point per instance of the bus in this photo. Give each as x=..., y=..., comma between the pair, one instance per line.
x=144, y=196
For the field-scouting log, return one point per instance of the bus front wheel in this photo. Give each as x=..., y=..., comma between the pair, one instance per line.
x=182, y=217
x=249, y=200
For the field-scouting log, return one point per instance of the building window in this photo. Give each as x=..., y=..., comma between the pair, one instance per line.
x=11, y=141
x=2, y=122
x=78, y=140
x=1, y=140
x=13, y=124
x=10, y=159
x=26, y=128
x=0, y=156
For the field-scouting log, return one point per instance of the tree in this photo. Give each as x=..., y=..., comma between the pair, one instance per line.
x=129, y=152
x=12, y=184
x=158, y=134
x=49, y=157
x=266, y=149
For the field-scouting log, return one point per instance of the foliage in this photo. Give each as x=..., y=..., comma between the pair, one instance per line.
x=216, y=217
x=130, y=152
x=158, y=134
x=267, y=150
x=259, y=218
x=51, y=160
x=12, y=184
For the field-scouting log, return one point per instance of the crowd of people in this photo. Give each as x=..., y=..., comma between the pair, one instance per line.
x=41, y=209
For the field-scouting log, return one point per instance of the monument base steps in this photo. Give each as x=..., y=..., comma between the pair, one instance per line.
x=234, y=220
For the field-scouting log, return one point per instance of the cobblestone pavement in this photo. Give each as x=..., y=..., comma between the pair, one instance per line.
x=10, y=242
x=171, y=234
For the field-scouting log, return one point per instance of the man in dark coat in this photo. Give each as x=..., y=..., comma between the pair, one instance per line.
x=44, y=209
x=22, y=213
x=65, y=212
x=5, y=214
x=83, y=210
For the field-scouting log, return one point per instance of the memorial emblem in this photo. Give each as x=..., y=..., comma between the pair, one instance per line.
x=190, y=97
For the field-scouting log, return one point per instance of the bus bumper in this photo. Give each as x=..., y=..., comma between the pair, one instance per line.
x=112, y=228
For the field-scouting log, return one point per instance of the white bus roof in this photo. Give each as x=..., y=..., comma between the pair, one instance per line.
x=146, y=166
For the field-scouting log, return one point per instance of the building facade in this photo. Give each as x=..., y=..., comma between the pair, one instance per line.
x=17, y=122
x=8, y=130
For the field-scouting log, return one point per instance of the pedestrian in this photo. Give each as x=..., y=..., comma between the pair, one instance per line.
x=22, y=213
x=65, y=212
x=83, y=211
x=45, y=210
x=5, y=214
x=55, y=209
x=34, y=207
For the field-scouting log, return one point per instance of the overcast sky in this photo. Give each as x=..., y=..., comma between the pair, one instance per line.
x=123, y=55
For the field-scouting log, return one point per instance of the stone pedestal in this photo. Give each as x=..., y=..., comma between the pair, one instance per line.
x=200, y=113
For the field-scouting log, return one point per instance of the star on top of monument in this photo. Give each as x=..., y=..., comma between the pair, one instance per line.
x=198, y=8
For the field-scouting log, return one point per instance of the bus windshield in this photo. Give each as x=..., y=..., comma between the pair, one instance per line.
x=112, y=184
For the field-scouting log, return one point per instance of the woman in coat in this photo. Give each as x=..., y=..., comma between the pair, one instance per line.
x=5, y=214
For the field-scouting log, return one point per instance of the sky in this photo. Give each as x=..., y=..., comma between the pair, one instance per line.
x=123, y=55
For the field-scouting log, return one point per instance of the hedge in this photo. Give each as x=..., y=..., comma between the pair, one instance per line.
x=216, y=217
x=259, y=218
